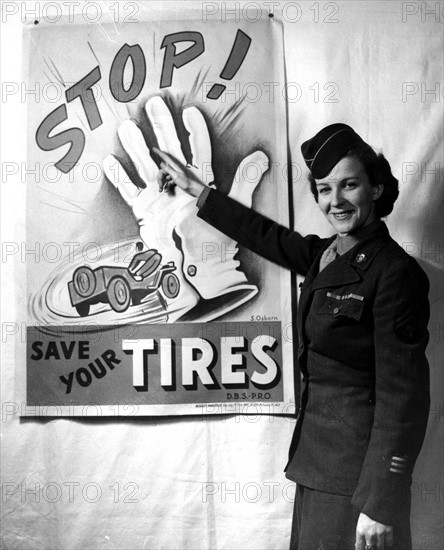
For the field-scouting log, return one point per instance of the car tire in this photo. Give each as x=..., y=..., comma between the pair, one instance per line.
x=84, y=281
x=170, y=285
x=118, y=294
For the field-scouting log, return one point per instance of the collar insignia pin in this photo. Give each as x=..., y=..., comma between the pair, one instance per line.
x=361, y=258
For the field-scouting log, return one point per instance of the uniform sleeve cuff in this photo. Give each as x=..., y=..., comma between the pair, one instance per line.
x=203, y=197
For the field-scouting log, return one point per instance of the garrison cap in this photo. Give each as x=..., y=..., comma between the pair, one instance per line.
x=323, y=151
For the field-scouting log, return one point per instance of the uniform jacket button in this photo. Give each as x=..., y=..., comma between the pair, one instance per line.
x=336, y=310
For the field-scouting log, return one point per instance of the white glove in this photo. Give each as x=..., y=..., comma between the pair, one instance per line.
x=168, y=222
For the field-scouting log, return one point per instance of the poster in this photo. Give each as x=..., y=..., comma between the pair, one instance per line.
x=136, y=304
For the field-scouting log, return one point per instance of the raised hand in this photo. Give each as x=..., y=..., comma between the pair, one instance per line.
x=168, y=222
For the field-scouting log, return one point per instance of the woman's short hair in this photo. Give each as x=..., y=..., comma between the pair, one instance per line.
x=378, y=171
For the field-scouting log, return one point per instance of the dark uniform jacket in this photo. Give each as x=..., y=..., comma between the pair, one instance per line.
x=362, y=326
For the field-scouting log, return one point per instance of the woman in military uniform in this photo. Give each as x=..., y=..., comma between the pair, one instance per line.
x=362, y=326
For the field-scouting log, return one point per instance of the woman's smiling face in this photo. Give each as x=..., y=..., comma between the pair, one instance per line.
x=346, y=196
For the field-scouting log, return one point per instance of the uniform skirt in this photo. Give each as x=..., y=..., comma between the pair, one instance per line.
x=326, y=521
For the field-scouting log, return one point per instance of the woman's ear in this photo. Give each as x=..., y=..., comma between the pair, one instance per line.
x=377, y=191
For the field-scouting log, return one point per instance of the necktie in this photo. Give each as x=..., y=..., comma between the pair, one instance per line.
x=329, y=255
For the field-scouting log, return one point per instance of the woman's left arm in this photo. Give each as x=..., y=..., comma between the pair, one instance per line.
x=402, y=398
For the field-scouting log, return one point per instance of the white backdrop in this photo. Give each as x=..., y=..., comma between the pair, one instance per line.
x=207, y=483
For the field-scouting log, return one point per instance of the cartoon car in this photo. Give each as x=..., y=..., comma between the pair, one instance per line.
x=119, y=286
